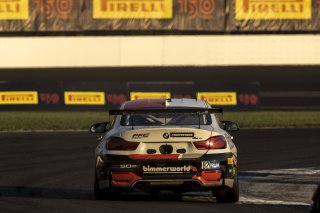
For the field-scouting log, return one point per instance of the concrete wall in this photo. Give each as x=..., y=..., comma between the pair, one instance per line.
x=130, y=51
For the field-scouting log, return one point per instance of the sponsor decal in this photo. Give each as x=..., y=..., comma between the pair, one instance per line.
x=210, y=164
x=166, y=169
x=19, y=97
x=219, y=98
x=132, y=9
x=14, y=9
x=182, y=134
x=204, y=8
x=84, y=98
x=127, y=166
x=271, y=9
x=137, y=136
x=50, y=98
x=230, y=161
x=166, y=135
x=149, y=95
x=54, y=8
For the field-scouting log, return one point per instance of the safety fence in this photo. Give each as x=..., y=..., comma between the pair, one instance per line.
x=109, y=95
x=211, y=16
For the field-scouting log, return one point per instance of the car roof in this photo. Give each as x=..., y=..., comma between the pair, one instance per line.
x=165, y=103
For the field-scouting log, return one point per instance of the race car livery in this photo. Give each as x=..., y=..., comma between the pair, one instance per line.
x=166, y=144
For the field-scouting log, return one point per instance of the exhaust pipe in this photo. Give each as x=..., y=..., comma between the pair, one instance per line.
x=139, y=187
x=143, y=187
x=147, y=187
x=196, y=186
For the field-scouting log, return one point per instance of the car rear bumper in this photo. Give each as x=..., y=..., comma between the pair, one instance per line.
x=127, y=173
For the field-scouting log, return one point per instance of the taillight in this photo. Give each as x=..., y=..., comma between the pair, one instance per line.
x=215, y=142
x=115, y=143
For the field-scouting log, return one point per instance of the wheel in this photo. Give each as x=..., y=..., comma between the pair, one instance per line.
x=227, y=194
x=101, y=194
x=316, y=201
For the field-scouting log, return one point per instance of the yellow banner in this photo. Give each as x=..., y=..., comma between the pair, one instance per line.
x=149, y=95
x=84, y=98
x=219, y=98
x=273, y=9
x=19, y=97
x=132, y=9
x=14, y=9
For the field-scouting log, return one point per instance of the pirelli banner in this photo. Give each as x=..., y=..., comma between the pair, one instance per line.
x=95, y=16
x=69, y=96
x=274, y=16
x=111, y=15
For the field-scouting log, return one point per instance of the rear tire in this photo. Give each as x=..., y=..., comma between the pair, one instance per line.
x=227, y=194
x=101, y=194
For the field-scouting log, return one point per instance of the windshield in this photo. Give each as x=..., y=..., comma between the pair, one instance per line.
x=168, y=119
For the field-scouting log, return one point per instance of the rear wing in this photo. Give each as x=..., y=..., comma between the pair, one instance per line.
x=176, y=110
x=132, y=112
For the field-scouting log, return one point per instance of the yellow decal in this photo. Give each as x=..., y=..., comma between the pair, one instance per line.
x=230, y=161
x=19, y=97
x=149, y=95
x=273, y=9
x=84, y=98
x=218, y=98
x=132, y=9
x=14, y=9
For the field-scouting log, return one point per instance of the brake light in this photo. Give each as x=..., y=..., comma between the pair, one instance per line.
x=115, y=143
x=215, y=142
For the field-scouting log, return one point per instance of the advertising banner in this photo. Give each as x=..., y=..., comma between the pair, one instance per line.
x=219, y=98
x=149, y=95
x=84, y=98
x=101, y=96
x=238, y=97
x=202, y=15
x=18, y=97
x=209, y=16
x=14, y=9
x=111, y=15
x=273, y=16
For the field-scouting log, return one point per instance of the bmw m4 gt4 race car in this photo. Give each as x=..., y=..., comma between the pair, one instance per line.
x=175, y=144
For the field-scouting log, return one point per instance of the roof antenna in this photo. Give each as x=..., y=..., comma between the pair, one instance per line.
x=131, y=116
x=199, y=118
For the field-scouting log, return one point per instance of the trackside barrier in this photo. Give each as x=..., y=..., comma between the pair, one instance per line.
x=213, y=16
x=71, y=96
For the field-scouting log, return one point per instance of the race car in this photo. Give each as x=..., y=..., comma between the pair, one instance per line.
x=171, y=144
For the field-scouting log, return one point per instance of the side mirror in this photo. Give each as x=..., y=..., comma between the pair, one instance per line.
x=230, y=126
x=100, y=127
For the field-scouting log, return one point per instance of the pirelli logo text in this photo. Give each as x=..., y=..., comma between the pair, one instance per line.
x=19, y=97
x=84, y=98
x=14, y=9
x=149, y=95
x=273, y=9
x=132, y=9
x=219, y=98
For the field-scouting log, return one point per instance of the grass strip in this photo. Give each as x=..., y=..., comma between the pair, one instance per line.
x=10, y=121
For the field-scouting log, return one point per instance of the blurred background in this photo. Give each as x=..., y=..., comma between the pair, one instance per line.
x=64, y=63
x=243, y=55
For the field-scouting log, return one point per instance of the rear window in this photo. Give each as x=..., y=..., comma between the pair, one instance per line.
x=167, y=119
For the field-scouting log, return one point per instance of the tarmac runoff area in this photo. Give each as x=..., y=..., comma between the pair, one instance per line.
x=53, y=172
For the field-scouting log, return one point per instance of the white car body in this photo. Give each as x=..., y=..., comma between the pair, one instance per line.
x=150, y=152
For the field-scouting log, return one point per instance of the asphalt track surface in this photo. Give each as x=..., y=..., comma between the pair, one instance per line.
x=53, y=172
